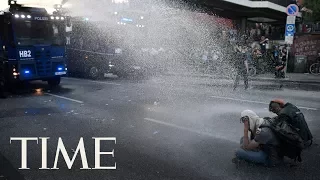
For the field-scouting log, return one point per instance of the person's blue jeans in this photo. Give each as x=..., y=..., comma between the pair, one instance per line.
x=249, y=57
x=258, y=157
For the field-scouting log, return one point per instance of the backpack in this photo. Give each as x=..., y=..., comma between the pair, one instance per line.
x=304, y=132
x=291, y=144
x=297, y=120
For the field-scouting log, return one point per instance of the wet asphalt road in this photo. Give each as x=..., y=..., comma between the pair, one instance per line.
x=165, y=128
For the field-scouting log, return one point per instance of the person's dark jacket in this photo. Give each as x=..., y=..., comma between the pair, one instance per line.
x=292, y=115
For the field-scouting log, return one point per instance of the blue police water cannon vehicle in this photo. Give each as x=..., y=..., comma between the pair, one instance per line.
x=32, y=44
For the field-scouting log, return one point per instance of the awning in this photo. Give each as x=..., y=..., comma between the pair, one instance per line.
x=258, y=4
x=258, y=11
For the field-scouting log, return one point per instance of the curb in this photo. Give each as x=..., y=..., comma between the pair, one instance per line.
x=266, y=79
x=285, y=80
x=287, y=83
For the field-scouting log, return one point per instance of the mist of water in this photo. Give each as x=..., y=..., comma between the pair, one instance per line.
x=175, y=37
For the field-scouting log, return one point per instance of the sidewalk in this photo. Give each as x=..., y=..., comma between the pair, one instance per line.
x=290, y=77
x=292, y=80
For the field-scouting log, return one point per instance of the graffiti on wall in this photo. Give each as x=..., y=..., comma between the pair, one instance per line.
x=307, y=45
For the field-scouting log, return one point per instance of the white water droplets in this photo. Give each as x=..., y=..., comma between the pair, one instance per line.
x=170, y=36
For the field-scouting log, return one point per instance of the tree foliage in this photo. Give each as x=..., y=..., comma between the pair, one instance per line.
x=313, y=5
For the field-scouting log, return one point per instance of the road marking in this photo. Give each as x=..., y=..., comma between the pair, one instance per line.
x=62, y=97
x=100, y=82
x=258, y=102
x=187, y=129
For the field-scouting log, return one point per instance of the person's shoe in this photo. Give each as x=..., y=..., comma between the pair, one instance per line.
x=238, y=162
x=235, y=160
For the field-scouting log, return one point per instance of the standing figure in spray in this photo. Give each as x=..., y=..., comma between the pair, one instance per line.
x=241, y=65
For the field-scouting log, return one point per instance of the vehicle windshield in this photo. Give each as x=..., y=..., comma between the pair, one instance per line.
x=38, y=32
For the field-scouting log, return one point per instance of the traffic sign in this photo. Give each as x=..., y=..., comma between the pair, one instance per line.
x=292, y=10
x=289, y=40
x=289, y=34
x=291, y=19
x=290, y=28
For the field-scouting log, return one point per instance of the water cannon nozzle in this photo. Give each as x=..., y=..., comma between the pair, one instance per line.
x=11, y=2
x=57, y=6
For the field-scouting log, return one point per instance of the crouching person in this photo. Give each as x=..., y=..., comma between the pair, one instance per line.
x=259, y=145
x=292, y=115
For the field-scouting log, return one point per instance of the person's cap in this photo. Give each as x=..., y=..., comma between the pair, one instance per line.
x=279, y=101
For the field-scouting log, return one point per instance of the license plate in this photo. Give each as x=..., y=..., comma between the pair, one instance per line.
x=60, y=73
x=136, y=67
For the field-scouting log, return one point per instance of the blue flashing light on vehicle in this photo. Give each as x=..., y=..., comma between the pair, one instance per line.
x=126, y=19
x=27, y=72
x=60, y=68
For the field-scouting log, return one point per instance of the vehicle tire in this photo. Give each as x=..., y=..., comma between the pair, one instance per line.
x=94, y=72
x=315, y=69
x=54, y=82
x=2, y=90
x=14, y=87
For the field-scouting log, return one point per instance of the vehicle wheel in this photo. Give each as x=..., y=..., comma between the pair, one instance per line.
x=54, y=81
x=315, y=69
x=2, y=90
x=94, y=72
